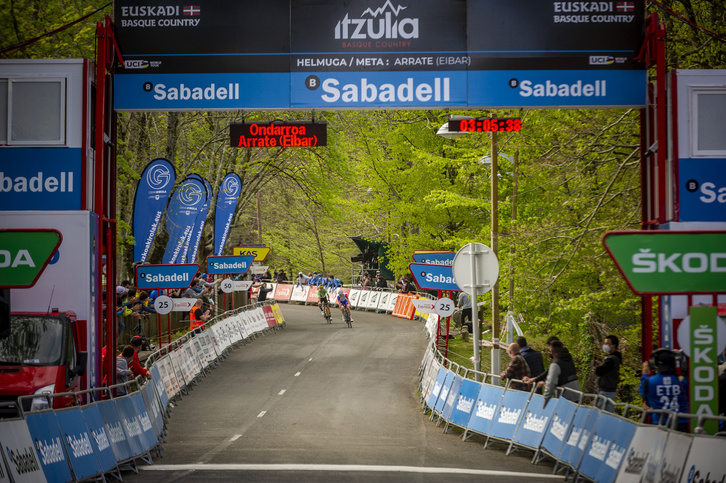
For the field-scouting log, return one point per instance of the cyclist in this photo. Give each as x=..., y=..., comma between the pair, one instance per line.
x=344, y=303
x=322, y=294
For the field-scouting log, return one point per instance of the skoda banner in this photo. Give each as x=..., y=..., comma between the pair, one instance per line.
x=185, y=205
x=227, y=198
x=152, y=193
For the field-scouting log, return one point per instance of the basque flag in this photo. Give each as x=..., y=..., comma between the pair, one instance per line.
x=184, y=207
x=152, y=194
x=191, y=10
x=227, y=198
x=625, y=7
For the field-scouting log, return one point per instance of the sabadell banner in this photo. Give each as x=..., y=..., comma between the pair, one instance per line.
x=327, y=54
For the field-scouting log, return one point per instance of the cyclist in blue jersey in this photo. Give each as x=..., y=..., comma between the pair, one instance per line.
x=344, y=303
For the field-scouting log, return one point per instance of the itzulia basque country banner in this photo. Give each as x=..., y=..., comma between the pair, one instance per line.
x=152, y=194
x=185, y=205
x=187, y=208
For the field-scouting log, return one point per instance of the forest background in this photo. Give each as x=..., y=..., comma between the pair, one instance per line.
x=387, y=176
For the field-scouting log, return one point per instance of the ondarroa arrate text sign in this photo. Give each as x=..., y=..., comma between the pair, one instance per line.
x=278, y=134
x=670, y=262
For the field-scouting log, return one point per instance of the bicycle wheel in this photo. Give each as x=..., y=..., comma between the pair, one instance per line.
x=328, y=318
x=348, y=320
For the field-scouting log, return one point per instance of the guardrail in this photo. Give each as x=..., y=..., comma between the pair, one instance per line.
x=584, y=441
x=110, y=434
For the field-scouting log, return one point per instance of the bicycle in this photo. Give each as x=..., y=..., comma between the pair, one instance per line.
x=347, y=318
x=326, y=310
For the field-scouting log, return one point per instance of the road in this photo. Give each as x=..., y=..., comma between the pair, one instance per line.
x=316, y=402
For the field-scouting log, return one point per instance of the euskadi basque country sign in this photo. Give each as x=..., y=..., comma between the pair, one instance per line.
x=670, y=262
x=433, y=277
x=434, y=258
x=379, y=53
x=149, y=277
x=229, y=264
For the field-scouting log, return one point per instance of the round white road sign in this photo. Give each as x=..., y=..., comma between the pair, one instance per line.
x=475, y=265
x=163, y=304
x=445, y=307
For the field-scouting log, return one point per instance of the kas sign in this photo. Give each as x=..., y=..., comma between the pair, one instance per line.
x=150, y=277
x=670, y=262
x=229, y=264
x=433, y=277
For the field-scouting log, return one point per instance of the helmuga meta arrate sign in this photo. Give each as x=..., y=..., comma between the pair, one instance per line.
x=670, y=262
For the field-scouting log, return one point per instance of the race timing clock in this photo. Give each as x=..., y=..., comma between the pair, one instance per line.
x=485, y=124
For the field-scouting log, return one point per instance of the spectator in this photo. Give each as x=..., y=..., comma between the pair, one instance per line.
x=301, y=279
x=464, y=304
x=281, y=276
x=262, y=292
x=368, y=282
x=197, y=318
x=609, y=372
x=664, y=390
x=406, y=286
x=193, y=294
x=135, y=363
x=123, y=287
x=543, y=375
x=561, y=373
x=532, y=356
x=123, y=373
x=518, y=368
x=381, y=282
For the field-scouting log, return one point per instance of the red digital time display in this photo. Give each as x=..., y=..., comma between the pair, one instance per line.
x=482, y=124
x=284, y=134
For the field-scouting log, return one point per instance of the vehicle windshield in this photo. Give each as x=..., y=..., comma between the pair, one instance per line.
x=34, y=340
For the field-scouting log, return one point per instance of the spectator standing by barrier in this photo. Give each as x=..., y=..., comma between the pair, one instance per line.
x=664, y=389
x=609, y=372
x=262, y=292
x=136, y=368
x=464, y=304
x=197, y=318
x=381, y=281
x=533, y=357
x=561, y=373
x=518, y=368
x=123, y=373
x=543, y=375
x=301, y=279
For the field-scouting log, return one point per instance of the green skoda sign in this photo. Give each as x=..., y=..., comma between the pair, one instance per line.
x=24, y=254
x=670, y=262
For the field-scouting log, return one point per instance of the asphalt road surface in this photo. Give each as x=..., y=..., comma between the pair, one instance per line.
x=320, y=402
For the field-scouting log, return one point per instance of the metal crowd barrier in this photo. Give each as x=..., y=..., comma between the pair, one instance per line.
x=584, y=441
x=100, y=438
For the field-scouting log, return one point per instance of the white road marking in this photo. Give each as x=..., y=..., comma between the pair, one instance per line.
x=235, y=437
x=262, y=414
x=281, y=392
x=358, y=468
x=297, y=374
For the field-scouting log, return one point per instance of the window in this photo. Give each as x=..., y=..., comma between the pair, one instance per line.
x=709, y=119
x=33, y=111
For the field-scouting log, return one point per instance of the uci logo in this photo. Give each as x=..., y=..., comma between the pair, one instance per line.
x=601, y=60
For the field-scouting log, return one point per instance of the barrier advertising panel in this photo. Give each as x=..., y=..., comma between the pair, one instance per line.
x=452, y=397
x=43, y=429
x=579, y=437
x=116, y=434
x=436, y=388
x=705, y=461
x=18, y=449
x=513, y=404
x=562, y=416
x=610, y=440
x=461, y=412
x=99, y=437
x=485, y=409
x=77, y=442
x=535, y=422
x=444, y=394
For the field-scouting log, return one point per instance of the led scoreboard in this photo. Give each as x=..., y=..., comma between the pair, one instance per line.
x=482, y=124
x=284, y=134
